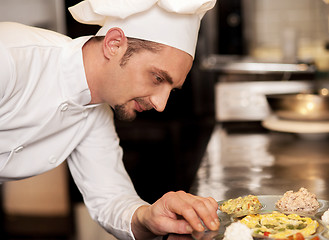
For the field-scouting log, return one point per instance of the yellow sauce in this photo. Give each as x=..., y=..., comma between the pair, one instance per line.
x=279, y=225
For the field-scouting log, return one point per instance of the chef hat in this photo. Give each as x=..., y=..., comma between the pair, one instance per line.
x=171, y=22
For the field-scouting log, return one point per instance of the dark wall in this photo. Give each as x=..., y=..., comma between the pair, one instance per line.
x=230, y=27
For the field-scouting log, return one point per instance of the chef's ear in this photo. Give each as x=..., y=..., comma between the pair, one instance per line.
x=114, y=42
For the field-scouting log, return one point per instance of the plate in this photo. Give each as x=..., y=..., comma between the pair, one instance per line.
x=290, y=126
x=268, y=203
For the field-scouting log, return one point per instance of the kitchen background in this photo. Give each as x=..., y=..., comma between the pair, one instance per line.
x=163, y=151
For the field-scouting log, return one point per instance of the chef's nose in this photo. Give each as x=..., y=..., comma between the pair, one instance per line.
x=159, y=100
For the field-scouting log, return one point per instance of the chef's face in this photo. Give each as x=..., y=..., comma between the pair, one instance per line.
x=145, y=81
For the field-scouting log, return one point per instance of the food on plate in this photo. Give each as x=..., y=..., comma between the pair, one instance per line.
x=241, y=205
x=315, y=238
x=298, y=236
x=325, y=217
x=237, y=231
x=280, y=225
x=301, y=202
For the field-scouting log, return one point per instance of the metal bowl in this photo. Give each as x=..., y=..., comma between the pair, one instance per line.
x=300, y=106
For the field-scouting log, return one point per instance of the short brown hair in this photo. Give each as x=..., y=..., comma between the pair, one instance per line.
x=137, y=45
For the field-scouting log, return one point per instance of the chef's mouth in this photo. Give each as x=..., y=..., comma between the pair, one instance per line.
x=140, y=107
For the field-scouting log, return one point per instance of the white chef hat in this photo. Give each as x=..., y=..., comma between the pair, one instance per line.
x=171, y=22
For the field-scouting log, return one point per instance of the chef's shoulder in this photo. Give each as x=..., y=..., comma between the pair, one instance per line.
x=14, y=34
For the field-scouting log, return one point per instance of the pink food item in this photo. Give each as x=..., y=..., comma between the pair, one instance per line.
x=301, y=202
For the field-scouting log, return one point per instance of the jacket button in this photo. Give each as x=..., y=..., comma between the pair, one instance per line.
x=52, y=159
x=64, y=107
x=18, y=149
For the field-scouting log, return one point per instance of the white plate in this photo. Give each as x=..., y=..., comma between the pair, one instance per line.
x=278, y=124
x=268, y=203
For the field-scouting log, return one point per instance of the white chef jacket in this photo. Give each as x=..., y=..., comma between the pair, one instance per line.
x=45, y=119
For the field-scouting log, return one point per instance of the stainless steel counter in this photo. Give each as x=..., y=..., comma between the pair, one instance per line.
x=266, y=163
x=262, y=163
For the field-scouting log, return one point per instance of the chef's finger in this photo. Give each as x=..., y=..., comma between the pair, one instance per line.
x=180, y=203
x=177, y=226
x=213, y=202
x=212, y=206
x=206, y=209
x=193, y=209
x=208, y=214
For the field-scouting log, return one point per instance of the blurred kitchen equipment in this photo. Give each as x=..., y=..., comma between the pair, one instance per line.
x=300, y=106
x=289, y=45
x=308, y=130
x=242, y=84
x=246, y=101
x=244, y=68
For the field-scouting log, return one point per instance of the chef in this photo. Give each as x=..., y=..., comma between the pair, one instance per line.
x=58, y=98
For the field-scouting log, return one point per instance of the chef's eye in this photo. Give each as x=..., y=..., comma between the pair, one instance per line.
x=158, y=79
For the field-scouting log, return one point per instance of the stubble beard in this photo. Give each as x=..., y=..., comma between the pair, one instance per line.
x=123, y=113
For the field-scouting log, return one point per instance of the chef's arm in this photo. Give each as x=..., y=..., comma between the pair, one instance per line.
x=98, y=171
x=176, y=212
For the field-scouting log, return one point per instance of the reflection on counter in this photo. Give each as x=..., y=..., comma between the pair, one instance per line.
x=237, y=164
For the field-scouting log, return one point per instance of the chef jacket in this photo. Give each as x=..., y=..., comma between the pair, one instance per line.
x=45, y=119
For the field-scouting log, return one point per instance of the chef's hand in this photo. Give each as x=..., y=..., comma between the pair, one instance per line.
x=176, y=212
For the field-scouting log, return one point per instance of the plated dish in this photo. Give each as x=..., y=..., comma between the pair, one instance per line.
x=268, y=203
